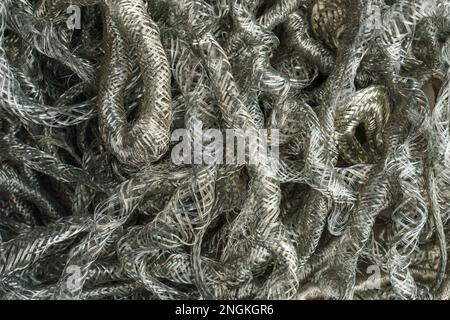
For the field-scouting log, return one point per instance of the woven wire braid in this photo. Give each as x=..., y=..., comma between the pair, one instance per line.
x=356, y=94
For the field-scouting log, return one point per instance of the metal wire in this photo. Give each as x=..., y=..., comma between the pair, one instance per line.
x=94, y=203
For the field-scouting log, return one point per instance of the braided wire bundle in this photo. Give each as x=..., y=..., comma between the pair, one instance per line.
x=354, y=203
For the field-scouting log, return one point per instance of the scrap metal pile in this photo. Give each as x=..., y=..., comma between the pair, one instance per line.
x=354, y=203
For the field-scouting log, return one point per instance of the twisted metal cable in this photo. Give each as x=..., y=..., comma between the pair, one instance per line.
x=136, y=146
x=118, y=179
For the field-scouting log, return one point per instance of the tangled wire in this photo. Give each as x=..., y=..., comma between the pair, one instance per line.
x=355, y=204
